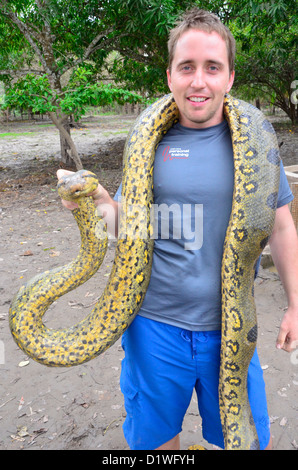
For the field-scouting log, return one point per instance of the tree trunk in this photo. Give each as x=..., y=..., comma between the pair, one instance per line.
x=295, y=114
x=292, y=113
x=69, y=153
x=65, y=147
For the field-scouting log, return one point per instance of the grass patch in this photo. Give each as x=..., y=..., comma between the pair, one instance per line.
x=14, y=134
x=106, y=134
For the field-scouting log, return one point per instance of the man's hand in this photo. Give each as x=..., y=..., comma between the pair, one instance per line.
x=288, y=332
x=97, y=194
x=106, y=206
x=68, y=204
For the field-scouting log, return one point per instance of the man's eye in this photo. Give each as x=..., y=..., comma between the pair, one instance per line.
x=213, y=68
x=186, y=68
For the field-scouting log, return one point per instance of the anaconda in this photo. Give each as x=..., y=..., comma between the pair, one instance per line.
x=256, y=179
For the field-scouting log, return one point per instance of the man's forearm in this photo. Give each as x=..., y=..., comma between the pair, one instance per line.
x=108, y=208
x=284, y=250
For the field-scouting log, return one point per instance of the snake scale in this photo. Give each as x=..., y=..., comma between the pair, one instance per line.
x=256, y=180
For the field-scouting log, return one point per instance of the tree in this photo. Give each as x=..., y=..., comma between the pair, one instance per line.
x=34, y=93
x=46, y=40
x=60, y=38
x=267, y=55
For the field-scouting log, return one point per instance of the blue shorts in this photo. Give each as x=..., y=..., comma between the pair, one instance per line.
x=162, y=366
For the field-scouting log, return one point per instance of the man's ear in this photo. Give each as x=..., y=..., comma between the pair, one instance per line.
x=231, y=81
x=169, y=79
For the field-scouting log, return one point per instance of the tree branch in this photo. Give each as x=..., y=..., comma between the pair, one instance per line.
x=31, y=36
x=94, y=43
x=44, y=51
x=20, y=73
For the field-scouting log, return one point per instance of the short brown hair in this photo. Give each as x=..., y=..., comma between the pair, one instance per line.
x=203, y=21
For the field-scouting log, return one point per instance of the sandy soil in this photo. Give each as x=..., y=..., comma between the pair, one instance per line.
x=82, y=407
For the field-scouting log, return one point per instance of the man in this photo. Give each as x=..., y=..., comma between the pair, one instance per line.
x=172, y=346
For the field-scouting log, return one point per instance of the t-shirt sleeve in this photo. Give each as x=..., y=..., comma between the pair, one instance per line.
x=117, y=196
x=285, y=194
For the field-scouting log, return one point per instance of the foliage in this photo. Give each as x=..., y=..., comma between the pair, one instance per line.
x=125, y=41
x=34, y=93
x=267, y=50
x=64, y=34
x=144, y=52
x=49, y=44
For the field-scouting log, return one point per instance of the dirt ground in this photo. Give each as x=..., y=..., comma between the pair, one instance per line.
x=82, y=407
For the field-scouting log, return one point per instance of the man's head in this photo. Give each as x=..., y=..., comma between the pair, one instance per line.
x=203, y=21
x=201, y=68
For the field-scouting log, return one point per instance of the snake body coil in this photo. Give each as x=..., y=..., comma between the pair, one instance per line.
x=256, y=169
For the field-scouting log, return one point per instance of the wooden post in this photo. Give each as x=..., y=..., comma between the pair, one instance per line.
x=292, y=177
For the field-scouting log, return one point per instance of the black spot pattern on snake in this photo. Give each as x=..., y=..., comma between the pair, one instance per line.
x=264, y=242
x=272, y=200
x=273, y=156
x=252, y=334
x=250, y=187
x=250, y=153
x=267, y=126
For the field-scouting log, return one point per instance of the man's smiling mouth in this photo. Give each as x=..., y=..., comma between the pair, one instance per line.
x=197, y=99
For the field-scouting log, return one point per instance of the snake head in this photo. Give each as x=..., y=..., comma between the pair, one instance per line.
x=76, y=185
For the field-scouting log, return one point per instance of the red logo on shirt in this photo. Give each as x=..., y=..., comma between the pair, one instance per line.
x=174, y=154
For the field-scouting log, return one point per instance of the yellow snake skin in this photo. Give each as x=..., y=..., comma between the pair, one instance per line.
x=256, y=183
x=256, y=180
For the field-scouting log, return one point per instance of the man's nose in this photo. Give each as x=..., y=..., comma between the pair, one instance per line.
x=198, y=79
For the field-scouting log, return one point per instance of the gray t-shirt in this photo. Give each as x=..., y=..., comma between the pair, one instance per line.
x=193, y=190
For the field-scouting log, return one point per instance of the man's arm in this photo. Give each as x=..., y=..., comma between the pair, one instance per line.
x=107, y=207
x=284, y=249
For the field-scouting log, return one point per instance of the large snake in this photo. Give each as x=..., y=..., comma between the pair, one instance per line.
x=256, y=179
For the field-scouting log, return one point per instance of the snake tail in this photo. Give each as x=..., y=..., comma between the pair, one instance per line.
x=33, y=299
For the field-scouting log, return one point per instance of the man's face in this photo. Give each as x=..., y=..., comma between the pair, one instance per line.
x=200, y=77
